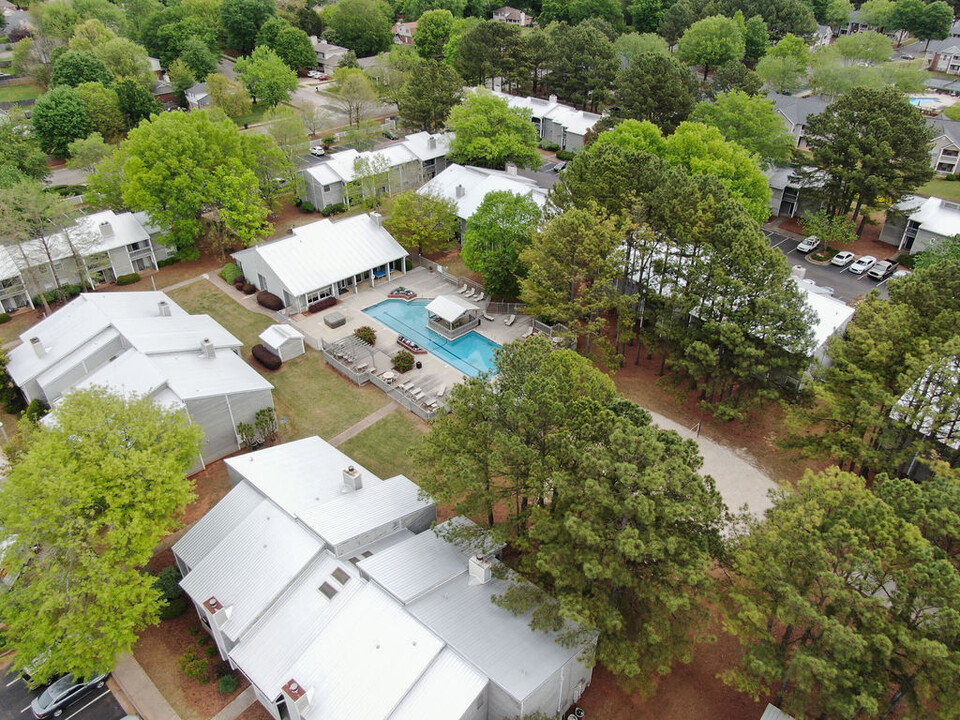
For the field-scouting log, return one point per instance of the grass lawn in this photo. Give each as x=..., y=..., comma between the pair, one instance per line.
x=254, y=116
x=18, y=323
x=311, y=398
x=10, y=93
x=946, y=189
x=384, y=447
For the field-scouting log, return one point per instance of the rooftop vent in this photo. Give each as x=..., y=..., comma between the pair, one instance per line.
x=377, y=218
x=38, y=347
x=432, y=142
x=461, y=191
x=352, y=479
x=799, y=272
x=207, y=349
x=164, y=308
x=480, y=569
x=552, y=98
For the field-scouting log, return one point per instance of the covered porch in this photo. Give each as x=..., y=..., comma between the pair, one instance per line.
x=452, y=316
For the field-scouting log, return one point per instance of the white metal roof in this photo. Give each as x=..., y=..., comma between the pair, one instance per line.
x=420, y=144
x=252, y=565
x=447, y=690
x=354, y=513
x=69, y=365
x=131, y=372
x=299, y=475
x=276, y=335
x=8, y=267
x=321, y=253
x=935, y=215
x=342, y=165
x=575, y=121
x=468, y=187
x=181, y=333
x=832, y=314
x=500, y=644
x=774, y=713
x=366, y=660
x=90, y=234
x=271, y=648
x=192, y=376
x=450, y=307
x=219, y=521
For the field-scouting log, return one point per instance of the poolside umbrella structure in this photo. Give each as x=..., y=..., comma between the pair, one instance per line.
x=452, y=316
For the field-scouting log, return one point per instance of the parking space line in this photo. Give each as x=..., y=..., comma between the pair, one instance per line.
x=25, y=709
x=103, y=694
x=780, y=243
x=15, y=680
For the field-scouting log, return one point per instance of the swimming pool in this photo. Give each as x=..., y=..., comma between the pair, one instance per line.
x=470, y=354
x=924, y=101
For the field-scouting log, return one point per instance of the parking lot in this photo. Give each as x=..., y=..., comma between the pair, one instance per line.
x=846, y=286
x=15, y=700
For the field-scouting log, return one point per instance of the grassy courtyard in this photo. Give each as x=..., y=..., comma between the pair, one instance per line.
x=938, y=187
x=384, y=447
x=311, y=399
x=12, y=93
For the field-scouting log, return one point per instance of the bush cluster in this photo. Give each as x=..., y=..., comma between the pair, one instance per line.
x=322, y=304
x=194, y=666
x=334, y=209
x=4, y=318
x=266, y=358
x=248, y=288
x=269, y=300
x=228, y=683
x=403, y=361
x=548, y=145
x=367, y=334
x=70, y=290
x=231, y=272
x=175, y=603
x=565, y=155
x=36, y=410
x=167, y=261
x=128, y=279
x=307, y=206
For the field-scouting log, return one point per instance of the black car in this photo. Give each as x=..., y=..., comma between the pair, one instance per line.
x=63, y=693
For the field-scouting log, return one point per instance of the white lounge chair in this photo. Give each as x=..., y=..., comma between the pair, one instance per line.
x=462, y=290
x=418, y=393
x=528, y=332
x=441, y=390
x=405, y=386
x=488, y=318
x=479, y=297
x=510, y=320
x=469, y=293
x=361, y=367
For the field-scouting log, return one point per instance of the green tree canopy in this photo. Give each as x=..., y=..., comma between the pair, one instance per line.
x=658, y=88
x=103, y=108
x=86, y=153
x=756, y=39
x=125, y=59
x=427, y=97
x=433, y=33
x=354, y=93
x=363, y=26
x=242, y=19
x=228, y=95
x=266, y=76
x=75, y=67
x=290, y=43
x=425, y=221
x=711, y=42
x=497, y=234
x=751, y=121
x=630, y=45
x=83, y=509
x=20, y=154
x=584, y=65
x=782, y=74
x=199, y=58
x=490, y=133
x=59, y=117
x=734, y=75
x=575, y=12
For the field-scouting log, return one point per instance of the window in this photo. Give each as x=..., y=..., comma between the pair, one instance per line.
x=317, y=295
x=326, y=188
x=948, y=153
x=262, y=281
x=142, y=245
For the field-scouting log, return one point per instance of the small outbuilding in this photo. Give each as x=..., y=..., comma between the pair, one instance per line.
x=283, y=341
x=452, y=316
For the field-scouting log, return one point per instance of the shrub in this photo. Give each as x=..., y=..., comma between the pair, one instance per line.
x=266, y=358
x=307, y=206
x=247, y=433
x=4, y=318
x=228, y=683
x=322, y=304
x=194, y=666
x=334, y=209
x=909, y=261
x=269, y=300
x=36, y=410
x=248, y=288
x=565, y=155
x=128, y=279
x=231, y=272
x=212, y=651
x=222, y=668
x=194, y=630
x=367, y=334
x=403, y=361
x=175, y=603
x=266, y=423
x=328, y=141
x=548, y=145
x=19, y=32
x=167, y=262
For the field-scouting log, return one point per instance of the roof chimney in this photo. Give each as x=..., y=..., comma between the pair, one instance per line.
x=480, y=570
x=106, y=229
x=352, y=479
x=296, y=699
x=38, y=347
x=461, y=191
x=798, y=271
x=552, y=98
x=164, y=308
x=511, y=168
x=207, y=349
x=377, y=218
x=432, y=142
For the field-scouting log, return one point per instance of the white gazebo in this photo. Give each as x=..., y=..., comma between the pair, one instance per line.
x=452, y=316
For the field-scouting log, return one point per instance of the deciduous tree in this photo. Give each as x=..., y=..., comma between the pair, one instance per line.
x=136, y=102
x=751, y=121
x=354, y=94
x=20, y=154
x=711, y=42
x=103, y=107
x=228, y=95
x=490, y=133
x=364, y=26
x=84, y=507
x=199, y=58
x=75, y=67
x=86, y=153
x=425, y=221
x=125, y=59
x=242, y=19
x=433, y=33
x=60, y=117
x=266, y=76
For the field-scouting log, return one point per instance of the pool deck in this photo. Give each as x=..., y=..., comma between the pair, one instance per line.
x=435, y=372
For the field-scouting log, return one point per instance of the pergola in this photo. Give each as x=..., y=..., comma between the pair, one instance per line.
x=452, y=316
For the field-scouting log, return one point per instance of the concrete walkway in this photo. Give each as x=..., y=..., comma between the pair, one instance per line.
x=359, y=427
x=236, y=707
x=141, y=691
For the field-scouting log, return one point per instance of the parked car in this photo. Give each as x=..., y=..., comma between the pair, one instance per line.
x=315, y=74
x=63, y=693
x=907, y=56
x=808, y=244
x=390, y=134
x=560, y=166
x=883, y=269
x=863, y=264
x=843, y=258
x=317, y=151
x=901, y=273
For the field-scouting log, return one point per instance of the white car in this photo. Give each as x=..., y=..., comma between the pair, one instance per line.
x=808, y=244
x=317, y=151
x=315, y=74
x=901, y=273
x=863, y=264
x=842, y=258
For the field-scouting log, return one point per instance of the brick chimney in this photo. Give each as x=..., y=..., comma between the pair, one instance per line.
x=296, y=699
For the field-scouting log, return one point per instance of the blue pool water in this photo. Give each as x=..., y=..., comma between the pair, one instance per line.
x=924, y=101
x=470, y=354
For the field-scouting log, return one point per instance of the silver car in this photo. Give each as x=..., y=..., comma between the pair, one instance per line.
x=62, y=693
x=863, y=264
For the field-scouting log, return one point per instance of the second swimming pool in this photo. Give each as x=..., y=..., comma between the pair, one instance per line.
x=471, y=354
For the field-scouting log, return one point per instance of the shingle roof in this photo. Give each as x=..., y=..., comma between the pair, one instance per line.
x=798, y=109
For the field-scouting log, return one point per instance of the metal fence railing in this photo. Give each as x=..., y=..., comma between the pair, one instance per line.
x=507, y=308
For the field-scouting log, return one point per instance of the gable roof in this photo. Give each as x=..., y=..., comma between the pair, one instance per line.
x=797, y=109
x=467, y=186
x=321, y=253
x=573, y=120
x=341, y=166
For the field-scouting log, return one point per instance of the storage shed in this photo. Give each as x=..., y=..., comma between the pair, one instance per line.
x=284, y=341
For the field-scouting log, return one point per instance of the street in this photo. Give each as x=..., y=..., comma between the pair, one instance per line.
x=15, y=700
x=846, y=286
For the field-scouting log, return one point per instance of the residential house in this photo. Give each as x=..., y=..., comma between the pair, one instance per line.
x=855, y=24
x=350, y=175
x=467, y=186
x=785, y=193
x=831, y=316
x=512, y=16
x=945, y=151
x=795, y=110
x=323, y=259
x=325, y=586
x=946, y=58
x=144, y=343
x=772, y=712
x=197, y=96
x=96, y=249
x=155, y=67
x=561, y=124
x=403, y=32
x=917, y=223
x=328, y=54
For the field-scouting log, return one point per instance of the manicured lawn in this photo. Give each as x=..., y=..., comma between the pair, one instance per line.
x=946, y=189
x=19, y=92
x=384, y=447
x=18, y=323
x=311, y=398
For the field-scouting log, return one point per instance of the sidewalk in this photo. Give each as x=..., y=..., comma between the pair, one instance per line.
x=141, y=691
